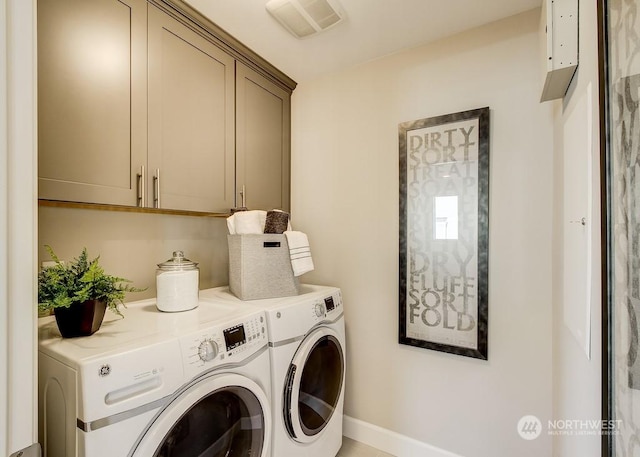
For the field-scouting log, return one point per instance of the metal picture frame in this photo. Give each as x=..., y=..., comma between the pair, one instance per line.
x=444, y=233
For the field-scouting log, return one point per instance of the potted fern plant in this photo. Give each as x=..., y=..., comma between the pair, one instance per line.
x=79, y=292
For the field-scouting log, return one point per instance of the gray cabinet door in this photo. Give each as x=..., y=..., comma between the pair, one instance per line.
x=263, y=141
x=91, y=99
x=191, y=119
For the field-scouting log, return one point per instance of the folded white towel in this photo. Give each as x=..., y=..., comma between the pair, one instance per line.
x=300, y=252
x=246, y=222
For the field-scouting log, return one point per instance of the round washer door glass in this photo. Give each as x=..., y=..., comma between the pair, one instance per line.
x=212, y=421
x=314, y=384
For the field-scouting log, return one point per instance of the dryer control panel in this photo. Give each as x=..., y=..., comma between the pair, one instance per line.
x=231, y=342
x=290, y=317
x=327, y=308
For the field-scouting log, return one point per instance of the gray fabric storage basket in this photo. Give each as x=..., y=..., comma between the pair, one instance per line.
x=260, y=267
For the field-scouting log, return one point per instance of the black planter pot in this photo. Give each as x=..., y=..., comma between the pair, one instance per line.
x=80, y=319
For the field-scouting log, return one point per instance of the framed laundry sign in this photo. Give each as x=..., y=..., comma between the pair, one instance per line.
x=444, y=233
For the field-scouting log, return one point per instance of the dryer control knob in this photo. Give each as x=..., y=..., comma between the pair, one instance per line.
x=319, y=310
x=208, y=350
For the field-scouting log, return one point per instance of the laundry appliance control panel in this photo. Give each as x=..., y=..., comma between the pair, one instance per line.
x=327, y=308
x=289, y=319
x=221, y=344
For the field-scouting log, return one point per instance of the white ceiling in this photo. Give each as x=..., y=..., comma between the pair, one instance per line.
x=372, y=28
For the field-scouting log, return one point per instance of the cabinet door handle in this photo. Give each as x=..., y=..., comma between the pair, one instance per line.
x=140, y=187
x=243, y=195
x=156, y=189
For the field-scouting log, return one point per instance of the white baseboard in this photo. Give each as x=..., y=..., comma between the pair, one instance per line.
x=388, y=441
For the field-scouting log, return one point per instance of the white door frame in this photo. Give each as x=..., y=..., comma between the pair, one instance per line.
x=18, y=225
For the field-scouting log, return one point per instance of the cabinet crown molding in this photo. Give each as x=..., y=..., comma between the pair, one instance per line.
x=203, y=25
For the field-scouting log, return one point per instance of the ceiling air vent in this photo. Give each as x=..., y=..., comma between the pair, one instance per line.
x=304, y=18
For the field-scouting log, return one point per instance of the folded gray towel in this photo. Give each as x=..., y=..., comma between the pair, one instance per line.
x=277, y=222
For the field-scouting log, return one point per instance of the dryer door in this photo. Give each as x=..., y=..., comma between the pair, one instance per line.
x=223, y=415
x=314, y=384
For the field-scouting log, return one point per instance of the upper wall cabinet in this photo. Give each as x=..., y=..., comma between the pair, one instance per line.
x=92, y=102
x=191, y=112
x=147, y=103
x=263, y=136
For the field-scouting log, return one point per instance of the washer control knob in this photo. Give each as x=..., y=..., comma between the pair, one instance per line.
x=208, y=350
x=319, y=310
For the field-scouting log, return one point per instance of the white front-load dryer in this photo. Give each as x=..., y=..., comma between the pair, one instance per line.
x=195, y=383
x=307, y=349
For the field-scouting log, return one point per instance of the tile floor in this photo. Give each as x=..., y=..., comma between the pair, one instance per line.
x=351, y=448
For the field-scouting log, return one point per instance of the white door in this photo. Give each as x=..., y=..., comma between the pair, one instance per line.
x=314, y=385
x=224, y=415
x=18, y=209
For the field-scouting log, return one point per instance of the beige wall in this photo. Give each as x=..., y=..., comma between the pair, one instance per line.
x=345, y=196
x=131, y=244
x=576, y=380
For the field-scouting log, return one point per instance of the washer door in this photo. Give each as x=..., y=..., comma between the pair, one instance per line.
x=313, y=386
x=217, y=416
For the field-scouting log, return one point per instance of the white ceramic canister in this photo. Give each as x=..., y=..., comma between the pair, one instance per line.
x=177, y=284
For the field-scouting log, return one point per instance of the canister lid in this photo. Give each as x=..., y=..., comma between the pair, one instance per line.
x=178, y=262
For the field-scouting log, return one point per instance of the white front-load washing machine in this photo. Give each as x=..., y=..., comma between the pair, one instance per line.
x=307, y=348
x=194, y=383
